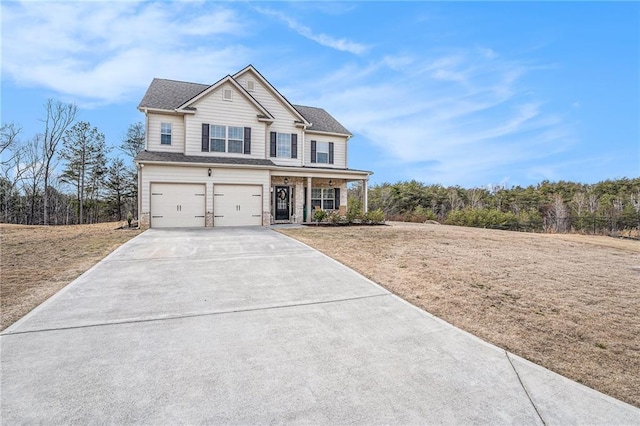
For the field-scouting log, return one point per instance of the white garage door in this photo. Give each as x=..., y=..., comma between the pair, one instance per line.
x=177, y=205
x=237, y=205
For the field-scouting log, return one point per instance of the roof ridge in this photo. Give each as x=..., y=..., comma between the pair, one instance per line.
x=180, y=81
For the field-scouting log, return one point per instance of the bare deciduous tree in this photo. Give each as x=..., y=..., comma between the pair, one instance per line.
x=8, y=139
x=59, y=118
x=13, y=170
x=33, y=175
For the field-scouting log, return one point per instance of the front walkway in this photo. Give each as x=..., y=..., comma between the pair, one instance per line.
x=246, y=326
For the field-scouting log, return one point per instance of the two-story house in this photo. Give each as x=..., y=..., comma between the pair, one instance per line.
x=237, y=153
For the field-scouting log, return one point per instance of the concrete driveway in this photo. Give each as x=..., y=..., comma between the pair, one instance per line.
x=247, y=326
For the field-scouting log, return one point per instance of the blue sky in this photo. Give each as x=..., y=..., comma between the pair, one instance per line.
x=466, y=94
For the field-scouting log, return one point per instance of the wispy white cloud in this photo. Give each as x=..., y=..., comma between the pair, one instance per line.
x=104, y=52
x=453, y=118
x=341, y=44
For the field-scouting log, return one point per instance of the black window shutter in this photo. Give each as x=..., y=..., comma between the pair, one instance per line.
x=313, y=151
x=330, y=152
x=294, y=145
x=336, y=201
x=247, y=140
x=205, y=137
x=273, y=144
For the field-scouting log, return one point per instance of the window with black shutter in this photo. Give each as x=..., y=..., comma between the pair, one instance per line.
x=294, y=145
x=273, y=141
x=330, y=152
x=205, y=137
x=247, y=140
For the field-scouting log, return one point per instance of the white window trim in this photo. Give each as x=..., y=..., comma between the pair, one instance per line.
x=212, y=137
x=227, y=94
x=278, y=154
x=241, y=140
x=163, y=132
x=318, y=151
x=227, y=139
x=251, y=86
x=323, y=198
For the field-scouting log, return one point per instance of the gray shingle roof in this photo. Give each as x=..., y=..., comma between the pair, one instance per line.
x=174, y=157
x=321, y=120
x=169, y=94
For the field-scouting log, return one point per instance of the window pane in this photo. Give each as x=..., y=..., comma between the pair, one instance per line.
x=236, y=139
x=236, y=146
x=217, y=145
x=316, y=193
x=165, y=133
x=284, y=145
x=218, y=132
x=328, y=193
x=328, y=204
x=316, y=204
x=236, y=133
x=322, y=152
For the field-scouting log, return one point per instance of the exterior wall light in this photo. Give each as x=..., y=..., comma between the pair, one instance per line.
x=209, y=172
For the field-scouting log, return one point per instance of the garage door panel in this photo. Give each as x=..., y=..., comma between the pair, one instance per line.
x=237, y=205
x=177, y=205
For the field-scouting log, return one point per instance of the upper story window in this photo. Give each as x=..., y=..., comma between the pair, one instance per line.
x=227, y=139
x=283, y=145
x=227, y=94
x=283, y=148
x=251, y=85
x=165, y=133
x=322, y=152
x=218, y=138
x=233, y=139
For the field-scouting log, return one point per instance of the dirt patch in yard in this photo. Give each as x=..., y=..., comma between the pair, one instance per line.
x=567, y=302
x=37, y=261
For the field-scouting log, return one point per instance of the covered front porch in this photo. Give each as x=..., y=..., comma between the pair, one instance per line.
x=296, y=195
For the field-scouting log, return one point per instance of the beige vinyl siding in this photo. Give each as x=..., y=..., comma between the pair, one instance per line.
x=339, y=150
x=238, y=112
x=152, y=173
x=177, y=132
x=284, y=118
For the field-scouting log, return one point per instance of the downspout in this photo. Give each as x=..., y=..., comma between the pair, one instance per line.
x=139, y=194
x=146, y=130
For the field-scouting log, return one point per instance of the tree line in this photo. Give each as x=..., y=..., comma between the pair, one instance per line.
x=609, y=207
x=64, y=175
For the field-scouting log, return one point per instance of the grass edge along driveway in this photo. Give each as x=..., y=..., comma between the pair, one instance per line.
x=567, y=302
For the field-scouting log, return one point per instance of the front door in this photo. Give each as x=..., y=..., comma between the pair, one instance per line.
x=283, y=201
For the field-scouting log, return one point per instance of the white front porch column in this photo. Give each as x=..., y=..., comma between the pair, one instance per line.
x=365, y=202
x=309, y=218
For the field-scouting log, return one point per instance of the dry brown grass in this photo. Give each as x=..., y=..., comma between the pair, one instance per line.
x=37, y=261
x=568, y=302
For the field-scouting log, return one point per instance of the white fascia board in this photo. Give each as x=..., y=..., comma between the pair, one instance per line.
x=320, y=132
x=208, y=165
x=273, y=91
x=161, y=111
x=320, y=173
x=227, y=79
x=275, y=171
